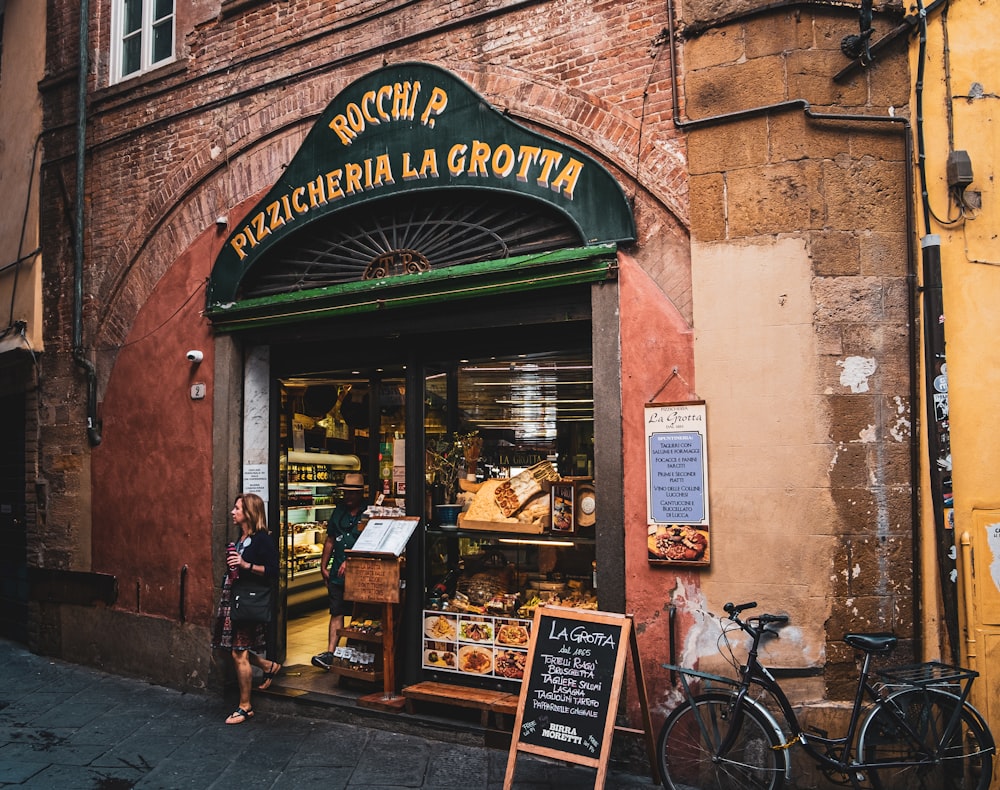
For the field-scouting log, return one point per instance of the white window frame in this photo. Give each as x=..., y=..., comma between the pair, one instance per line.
x=145, y=33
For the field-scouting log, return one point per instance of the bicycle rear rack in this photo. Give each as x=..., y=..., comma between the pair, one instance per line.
x=930, y=673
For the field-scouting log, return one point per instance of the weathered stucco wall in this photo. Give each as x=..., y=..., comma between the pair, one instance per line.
x=961, y=89
x=799, y=264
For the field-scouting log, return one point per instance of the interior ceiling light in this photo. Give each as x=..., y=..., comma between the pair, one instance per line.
x=543, y=401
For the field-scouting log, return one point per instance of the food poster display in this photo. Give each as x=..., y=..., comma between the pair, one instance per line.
x=477, y=645
x=677, y=484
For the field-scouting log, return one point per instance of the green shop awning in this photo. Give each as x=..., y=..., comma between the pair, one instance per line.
x=565, y=267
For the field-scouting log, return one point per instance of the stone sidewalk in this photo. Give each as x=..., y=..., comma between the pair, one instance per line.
x=66, y=726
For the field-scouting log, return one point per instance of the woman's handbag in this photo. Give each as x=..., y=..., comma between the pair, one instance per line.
x=251, y=600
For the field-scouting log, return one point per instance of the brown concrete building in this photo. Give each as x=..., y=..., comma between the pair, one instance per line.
x=358, y=214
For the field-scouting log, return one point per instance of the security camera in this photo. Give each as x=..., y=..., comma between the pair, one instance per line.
x=195, y=356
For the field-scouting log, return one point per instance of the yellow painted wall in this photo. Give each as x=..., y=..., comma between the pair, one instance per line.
x=21, y=70
x=961, y=110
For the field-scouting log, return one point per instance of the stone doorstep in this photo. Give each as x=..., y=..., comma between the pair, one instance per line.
x=306, y=690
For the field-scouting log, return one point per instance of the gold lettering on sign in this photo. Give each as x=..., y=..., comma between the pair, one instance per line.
x=396, y=102
x=428, y=165
x=478, y=159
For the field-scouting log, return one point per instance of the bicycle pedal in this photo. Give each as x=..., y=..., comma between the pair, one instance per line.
x=817, y=731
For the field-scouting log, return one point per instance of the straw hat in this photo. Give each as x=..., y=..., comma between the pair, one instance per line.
x=353, y=481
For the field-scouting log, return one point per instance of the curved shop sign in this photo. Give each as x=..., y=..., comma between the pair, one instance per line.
x=413, y=127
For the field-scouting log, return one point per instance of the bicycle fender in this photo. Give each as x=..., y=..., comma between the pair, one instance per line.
x=980, y=719
x=982, y=723
x=764, y=712
x=777, y=731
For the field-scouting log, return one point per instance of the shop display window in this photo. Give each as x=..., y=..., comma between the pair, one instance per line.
x=506, y=492
x=485, y=589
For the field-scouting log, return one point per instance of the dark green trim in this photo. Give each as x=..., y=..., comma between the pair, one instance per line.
x=511, y=275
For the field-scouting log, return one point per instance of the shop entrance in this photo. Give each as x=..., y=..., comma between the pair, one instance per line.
x=430, y=419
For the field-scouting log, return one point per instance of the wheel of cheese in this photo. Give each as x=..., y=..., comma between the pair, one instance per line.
x=586, y=506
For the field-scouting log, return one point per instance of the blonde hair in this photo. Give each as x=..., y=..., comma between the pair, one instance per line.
x=254, y=510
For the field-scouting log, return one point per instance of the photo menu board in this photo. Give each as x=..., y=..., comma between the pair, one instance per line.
x=677, y=513
x=472, y=644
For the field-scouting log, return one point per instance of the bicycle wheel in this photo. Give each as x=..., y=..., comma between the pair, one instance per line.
x=688, y=746
x=961, y=761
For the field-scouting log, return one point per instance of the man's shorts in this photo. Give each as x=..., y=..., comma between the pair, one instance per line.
x=338, y=606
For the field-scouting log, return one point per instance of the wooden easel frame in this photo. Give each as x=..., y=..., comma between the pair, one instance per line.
x=600, y=762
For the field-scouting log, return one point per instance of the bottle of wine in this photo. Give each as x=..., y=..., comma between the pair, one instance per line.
x=446, y=585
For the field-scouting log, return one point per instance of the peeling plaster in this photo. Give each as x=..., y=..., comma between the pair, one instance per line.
x=702, y=637
x=900, y=429
x=855, y=372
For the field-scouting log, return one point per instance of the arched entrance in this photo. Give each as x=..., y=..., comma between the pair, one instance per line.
x=420, y=277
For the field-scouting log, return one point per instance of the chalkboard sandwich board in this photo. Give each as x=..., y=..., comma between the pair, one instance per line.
x=573, y=679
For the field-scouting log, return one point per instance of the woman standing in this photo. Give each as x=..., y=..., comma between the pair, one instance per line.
x=255, y=555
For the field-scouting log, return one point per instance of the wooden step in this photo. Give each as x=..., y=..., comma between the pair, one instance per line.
x=486, y=701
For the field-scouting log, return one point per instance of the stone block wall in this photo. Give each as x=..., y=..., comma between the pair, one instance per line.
x=761, y=180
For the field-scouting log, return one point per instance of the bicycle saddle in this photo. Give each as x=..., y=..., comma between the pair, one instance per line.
x=872, y=643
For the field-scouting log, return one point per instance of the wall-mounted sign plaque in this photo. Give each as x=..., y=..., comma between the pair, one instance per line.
x=677, y=513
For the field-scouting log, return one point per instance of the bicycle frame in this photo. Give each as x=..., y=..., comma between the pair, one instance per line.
x=837, y=753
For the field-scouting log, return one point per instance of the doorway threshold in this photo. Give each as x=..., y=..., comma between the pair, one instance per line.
x=305, y=690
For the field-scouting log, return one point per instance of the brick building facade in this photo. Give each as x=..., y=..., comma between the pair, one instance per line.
x=770, y=277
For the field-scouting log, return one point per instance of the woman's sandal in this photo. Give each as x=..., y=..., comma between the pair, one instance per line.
x=240, y=715
x=270, y=675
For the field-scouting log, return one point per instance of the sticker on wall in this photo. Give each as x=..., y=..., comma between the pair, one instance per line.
x=677, y=512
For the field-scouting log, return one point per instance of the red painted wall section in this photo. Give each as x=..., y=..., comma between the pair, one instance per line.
x=152, y=480
x=654, y=338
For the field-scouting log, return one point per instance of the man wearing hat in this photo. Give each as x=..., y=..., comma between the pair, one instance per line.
x=341, y=534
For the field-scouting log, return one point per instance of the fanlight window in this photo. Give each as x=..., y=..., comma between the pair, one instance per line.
x=405, y=235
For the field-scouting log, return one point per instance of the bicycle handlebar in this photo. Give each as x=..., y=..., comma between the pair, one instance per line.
x=734, y=609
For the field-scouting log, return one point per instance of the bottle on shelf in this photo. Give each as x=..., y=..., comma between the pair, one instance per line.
x=385, y=465
x=446, y=584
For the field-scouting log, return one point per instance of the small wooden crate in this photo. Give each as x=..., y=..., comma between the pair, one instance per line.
x=502, y=526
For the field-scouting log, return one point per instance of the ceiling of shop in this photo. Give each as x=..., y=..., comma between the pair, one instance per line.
x=520, y=399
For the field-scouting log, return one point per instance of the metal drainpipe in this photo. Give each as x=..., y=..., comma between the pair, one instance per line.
x=93, y=431
x=911, y=266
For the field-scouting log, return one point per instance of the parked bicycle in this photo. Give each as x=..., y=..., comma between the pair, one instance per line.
x=910, y=727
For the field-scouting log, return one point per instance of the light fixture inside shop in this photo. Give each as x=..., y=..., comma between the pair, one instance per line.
x=528, y=542
x=541, y=401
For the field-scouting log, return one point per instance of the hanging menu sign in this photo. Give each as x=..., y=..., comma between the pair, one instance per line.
x=576, y=661
x=677, y=483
